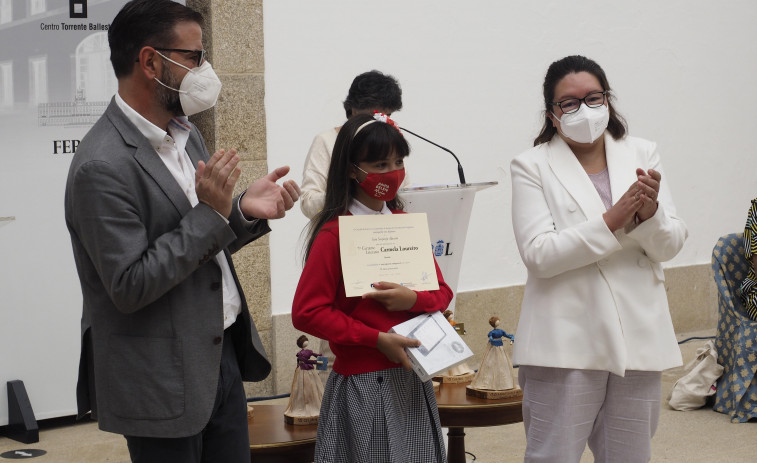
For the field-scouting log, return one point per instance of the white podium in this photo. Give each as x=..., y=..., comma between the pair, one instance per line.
x=448, y=208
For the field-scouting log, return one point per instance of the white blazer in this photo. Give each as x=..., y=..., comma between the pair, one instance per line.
x=594, y=299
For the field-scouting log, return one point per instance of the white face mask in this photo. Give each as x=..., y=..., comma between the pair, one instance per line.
x=199, y=88
x=585, y=125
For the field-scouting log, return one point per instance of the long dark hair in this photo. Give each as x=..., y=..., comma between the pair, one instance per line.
x=374, y=142
x=569, y=65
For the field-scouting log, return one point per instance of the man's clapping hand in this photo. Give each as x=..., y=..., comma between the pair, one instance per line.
x=265, y=199
x=215, y=180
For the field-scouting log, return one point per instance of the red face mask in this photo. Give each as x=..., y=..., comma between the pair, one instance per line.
x=382, y=186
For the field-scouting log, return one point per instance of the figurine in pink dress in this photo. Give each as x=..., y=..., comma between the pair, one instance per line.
x=307, y=388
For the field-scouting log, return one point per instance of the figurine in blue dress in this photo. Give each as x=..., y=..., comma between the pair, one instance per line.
x=496, y=371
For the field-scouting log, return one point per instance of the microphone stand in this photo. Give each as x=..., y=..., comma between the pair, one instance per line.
x=459, y=166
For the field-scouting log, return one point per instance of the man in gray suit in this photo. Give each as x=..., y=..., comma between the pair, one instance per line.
x=167, y=338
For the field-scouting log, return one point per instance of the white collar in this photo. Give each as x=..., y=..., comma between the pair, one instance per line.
x=178, y=127
x=358, y=208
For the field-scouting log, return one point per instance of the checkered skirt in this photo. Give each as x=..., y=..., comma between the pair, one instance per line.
x=386, y=416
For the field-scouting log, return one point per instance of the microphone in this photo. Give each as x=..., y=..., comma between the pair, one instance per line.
x=459, y=166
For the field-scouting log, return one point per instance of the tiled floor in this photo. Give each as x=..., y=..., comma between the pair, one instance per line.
x=685, y=437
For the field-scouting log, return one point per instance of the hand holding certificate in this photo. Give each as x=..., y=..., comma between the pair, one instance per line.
x=394, y=297
x=393, y=248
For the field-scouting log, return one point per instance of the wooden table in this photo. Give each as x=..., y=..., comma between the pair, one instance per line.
x=274, y=441
x=458, y=411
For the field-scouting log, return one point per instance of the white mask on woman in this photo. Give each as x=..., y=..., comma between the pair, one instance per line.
x=585, y=125
x=199, y=88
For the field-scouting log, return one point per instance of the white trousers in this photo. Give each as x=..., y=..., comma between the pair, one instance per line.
x=565, y=409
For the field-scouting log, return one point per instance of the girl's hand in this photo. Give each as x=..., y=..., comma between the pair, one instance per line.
x=649, y=189
x=392, y=296
x=622, y=212
x=393, y=346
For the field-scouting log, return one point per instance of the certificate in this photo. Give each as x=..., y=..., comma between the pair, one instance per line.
x=394, y=248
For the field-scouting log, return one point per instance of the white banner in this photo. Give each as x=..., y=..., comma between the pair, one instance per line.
x=55, y=81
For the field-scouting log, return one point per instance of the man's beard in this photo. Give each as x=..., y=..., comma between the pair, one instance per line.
x=168, y=98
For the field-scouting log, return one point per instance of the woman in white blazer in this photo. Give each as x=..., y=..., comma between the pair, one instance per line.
x=593, y=221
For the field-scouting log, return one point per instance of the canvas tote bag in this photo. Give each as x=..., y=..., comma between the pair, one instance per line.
x=691, y=391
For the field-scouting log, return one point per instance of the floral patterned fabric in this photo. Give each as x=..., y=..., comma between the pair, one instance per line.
x=736, y=340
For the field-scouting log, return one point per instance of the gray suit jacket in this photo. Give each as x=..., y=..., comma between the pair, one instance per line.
x=152, y=323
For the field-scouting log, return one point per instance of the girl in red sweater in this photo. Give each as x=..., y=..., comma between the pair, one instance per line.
x=374, y=408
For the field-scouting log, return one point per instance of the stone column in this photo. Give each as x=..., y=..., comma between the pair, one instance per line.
x=233, y=35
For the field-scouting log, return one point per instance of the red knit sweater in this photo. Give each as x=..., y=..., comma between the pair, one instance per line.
x=350, y=324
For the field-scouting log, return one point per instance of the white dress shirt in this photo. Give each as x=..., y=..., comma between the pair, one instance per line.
x=171, y=147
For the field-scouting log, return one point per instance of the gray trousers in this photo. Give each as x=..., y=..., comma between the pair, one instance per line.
x=565, y=409
x=225, y=439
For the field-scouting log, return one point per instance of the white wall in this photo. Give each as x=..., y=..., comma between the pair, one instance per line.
x=471, y=73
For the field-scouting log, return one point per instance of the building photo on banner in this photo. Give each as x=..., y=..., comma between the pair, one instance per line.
x=56, y=80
